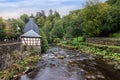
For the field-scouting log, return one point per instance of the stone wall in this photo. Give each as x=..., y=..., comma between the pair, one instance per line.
x=103, y=41
x=6, y=51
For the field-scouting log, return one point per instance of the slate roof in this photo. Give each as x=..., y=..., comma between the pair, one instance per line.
x=30, y=33
x=31, y=25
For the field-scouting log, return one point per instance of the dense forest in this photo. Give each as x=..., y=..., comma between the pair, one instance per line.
x=96, y=19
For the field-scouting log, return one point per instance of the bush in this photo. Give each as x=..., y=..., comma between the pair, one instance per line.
x=63, y=42
x=34, y=52
x=74, y=43
x=69, y=42
x=56, y=40
x=78, y=39
x=115, y=35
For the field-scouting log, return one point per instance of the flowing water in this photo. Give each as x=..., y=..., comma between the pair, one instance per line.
x=64, y=64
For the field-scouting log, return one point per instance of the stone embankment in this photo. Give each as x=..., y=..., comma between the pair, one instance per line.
x=103, y=41
x=6, y=51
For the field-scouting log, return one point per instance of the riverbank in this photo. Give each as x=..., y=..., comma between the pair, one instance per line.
x=110, y=55
x=24, y=63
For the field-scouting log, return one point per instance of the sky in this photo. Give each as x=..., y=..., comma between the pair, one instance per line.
x=15, y=8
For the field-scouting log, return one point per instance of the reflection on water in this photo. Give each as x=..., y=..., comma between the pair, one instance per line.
x=55, y=74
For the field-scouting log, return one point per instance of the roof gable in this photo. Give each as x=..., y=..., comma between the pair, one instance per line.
x=30, y=33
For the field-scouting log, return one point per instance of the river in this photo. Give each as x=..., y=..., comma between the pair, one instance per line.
x=63, y=64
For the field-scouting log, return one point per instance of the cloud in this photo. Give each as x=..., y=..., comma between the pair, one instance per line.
x=14, y=8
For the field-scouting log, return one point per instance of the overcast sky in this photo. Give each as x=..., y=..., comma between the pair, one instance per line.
x=14, y=8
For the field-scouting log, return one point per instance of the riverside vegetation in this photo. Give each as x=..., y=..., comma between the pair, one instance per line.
x=24, y=62
x=108, y=53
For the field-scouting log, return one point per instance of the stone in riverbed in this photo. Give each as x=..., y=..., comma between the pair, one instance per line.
x=28, y=70
x=117, y=66
x=90, y=77
x=100, y=76
x=61, y=57
x=91, y=58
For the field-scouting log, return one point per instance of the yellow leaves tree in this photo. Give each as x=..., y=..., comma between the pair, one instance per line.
x=9, y=31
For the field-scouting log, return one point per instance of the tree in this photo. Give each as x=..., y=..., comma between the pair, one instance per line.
x=17, y=25
x=113, y=2
x=67, y=26
x=41, y=14
x=40, y=18
x=2, y=29
x=38, y=14
x=115, y=14
x=1, y=20
x=10, y=33
x=57, y=31
x=24, y=18
x=72, y=24
x=44, y=42
x=50, y=12
x=57, y=15
x=2, y=33
x=46, y=23
x=47, y=29
x=76, y=23
x=96, y=20
x=40, y=21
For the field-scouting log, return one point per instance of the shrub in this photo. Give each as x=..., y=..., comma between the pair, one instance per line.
x=74, y=43
x=115, y=35
x=78, y=39
x=69, y=42
x=63, y=42
x=56, y=40
x=34, y=52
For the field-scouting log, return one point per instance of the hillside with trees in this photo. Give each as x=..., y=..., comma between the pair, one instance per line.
x=96, y=19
